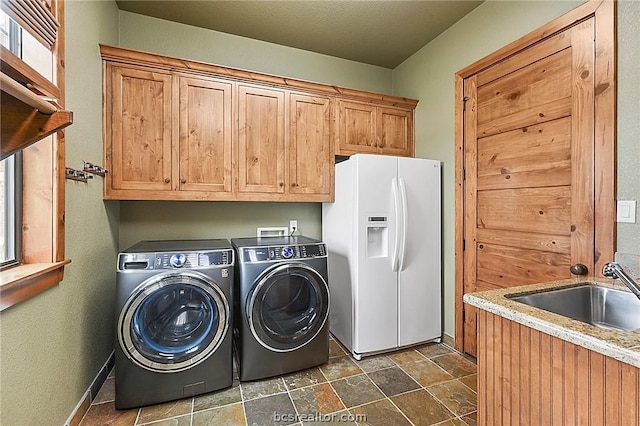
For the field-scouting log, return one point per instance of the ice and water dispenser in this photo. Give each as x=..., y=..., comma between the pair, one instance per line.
x=377, y=236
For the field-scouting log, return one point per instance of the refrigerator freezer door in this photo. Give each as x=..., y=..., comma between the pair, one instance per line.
x=375, y=288
x=419, y=284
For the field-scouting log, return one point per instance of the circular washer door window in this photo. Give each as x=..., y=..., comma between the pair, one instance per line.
x=173, y=321
x=288, y=307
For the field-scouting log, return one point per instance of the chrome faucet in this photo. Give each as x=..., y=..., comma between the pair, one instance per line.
x=614, y=270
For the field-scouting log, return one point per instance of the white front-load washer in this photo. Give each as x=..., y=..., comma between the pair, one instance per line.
x=282, y=305
x=174, y=302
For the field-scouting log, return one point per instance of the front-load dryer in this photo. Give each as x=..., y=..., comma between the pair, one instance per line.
x=282, y=305
x=174, y=304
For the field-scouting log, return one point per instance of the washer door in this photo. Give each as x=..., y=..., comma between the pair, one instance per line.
x=288, y=307
x=173, y=321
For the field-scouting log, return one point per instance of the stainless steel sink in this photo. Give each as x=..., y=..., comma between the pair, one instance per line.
x=600, y=306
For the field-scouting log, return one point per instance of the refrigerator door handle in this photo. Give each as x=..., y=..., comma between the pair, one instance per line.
x=397, y=207
x=405, y=224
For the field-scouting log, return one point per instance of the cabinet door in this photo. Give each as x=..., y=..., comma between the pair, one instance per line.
x=356, y=128
x=140, y=129
x=395, y=131
x=261, y=140
x=310, y=145
x=205, y=135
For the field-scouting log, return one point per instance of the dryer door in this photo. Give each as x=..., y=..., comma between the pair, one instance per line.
x=173, y=321
x=288, y=307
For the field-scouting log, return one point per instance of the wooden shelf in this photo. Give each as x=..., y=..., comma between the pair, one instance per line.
x=23, y=125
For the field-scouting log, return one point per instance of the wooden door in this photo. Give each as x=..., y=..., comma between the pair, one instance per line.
x=205, y=160
x=140, y=129
x=310, y=146
x=261, y=140
x=356, y=128
x=529, y=178
x=395, y=131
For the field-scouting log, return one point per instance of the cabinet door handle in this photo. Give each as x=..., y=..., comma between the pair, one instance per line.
x=167, y=180
x=294, y=184
x=281, y=184
x=183, y=181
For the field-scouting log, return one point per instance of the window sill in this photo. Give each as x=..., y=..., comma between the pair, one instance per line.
x=25, y=281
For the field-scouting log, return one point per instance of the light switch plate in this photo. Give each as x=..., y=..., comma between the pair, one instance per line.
x=626, y=211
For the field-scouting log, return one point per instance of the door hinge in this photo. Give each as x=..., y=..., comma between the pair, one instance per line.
x=464, y=244
x=464, y=102
x=464, y=174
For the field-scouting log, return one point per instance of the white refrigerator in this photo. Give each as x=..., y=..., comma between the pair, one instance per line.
x=383, y=237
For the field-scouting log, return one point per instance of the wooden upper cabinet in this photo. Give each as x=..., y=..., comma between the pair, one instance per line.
x=140, y=143
x=205, y=135
x=374, y=129
x=177, y=129
x=311, y=158
x=356, y=128
x=261, y=143
x=395, y=131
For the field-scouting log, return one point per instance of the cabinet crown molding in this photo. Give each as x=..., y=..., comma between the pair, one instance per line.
x=170, y=63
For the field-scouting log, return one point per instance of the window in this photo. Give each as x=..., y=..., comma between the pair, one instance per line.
x=32, y=181
x=10, y=170
x=11, y=210
x=10, y=35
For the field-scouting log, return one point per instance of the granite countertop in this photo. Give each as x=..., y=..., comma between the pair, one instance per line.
x=621, y=345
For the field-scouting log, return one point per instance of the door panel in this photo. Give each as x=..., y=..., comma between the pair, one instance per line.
x=356, y=128
x=310, y=147
x=205, y=135
x=419, y=281
x=376, y=286
x=504, y=266
x=535, y=156
x=288, y=307
x=534, y=210
x=529, y=154
x=173, y=321
x=261, y=142
x=395, y=131
x=534, y=93
x=141, y=107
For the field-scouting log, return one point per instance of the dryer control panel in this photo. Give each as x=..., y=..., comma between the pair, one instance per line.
x=286, y=252
x=175, y=260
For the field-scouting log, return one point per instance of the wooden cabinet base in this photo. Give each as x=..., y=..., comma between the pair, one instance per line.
x=528, y=377
x=214, y=196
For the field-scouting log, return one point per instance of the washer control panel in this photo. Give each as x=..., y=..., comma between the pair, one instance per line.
x=287, y=252
x=266, y=254
x=175, y=260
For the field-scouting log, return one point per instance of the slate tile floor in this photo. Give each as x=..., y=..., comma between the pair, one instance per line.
x=426, y=385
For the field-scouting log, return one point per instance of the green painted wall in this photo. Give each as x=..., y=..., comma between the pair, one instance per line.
x=629, y=120
x=159, y=220
x=184, y=41
x=53, y=345
x=153, y=220
x=429, y=76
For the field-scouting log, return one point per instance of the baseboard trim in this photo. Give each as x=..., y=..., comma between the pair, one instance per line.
x=448, y=340
x=85, y=402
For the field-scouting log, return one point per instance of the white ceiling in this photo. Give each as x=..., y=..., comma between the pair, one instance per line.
x=381, y=32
